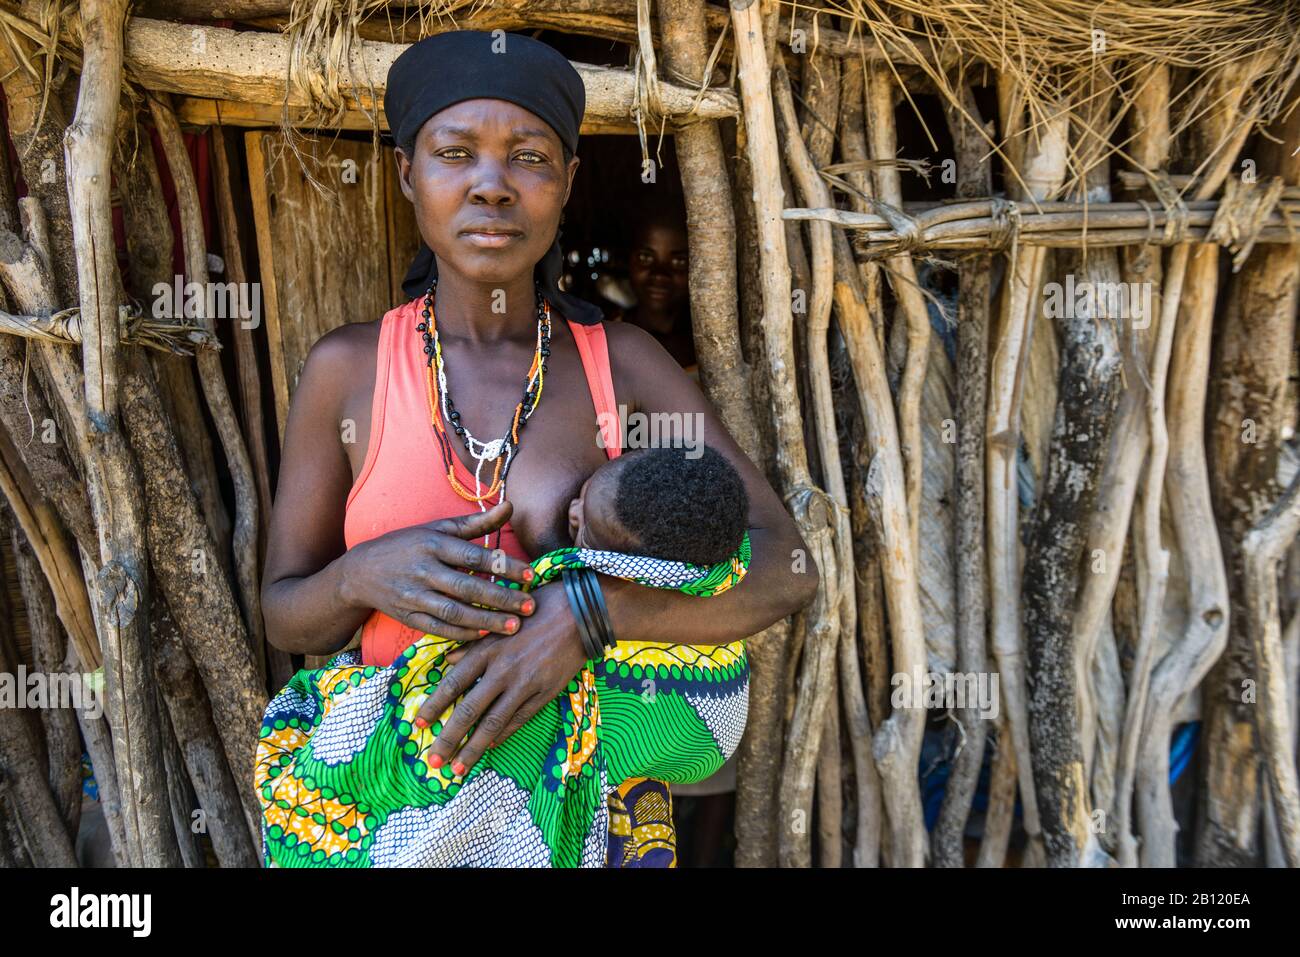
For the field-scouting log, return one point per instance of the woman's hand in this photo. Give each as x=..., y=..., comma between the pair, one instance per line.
x=516, y=677
x=412, y=575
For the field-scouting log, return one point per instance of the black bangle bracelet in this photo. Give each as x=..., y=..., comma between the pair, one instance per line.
x=585, y=587
x=589, y=612
x=596, y=601
x=578, y=617
x=577, y=604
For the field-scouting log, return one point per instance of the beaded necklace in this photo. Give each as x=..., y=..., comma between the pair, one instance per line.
x=502, y=450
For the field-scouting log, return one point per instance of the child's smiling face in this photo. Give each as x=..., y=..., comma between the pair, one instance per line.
x=592, y=515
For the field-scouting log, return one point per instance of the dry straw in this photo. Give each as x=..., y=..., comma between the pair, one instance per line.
x=1077, y=51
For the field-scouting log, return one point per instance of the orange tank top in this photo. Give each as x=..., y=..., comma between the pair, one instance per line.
x=401, y=482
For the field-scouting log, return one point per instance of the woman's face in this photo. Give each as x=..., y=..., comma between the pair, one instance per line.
x=488, y=181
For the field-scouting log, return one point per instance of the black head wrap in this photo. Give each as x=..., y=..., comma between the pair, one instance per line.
x=447, y=68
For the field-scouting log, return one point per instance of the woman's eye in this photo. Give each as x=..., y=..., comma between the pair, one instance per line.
x=530, y=156
x=680, y=264
x=459, y=152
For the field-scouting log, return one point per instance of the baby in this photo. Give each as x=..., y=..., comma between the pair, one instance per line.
x=661, y=503
x=657, y=503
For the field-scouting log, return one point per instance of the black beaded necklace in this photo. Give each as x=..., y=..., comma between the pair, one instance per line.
x=501, y=451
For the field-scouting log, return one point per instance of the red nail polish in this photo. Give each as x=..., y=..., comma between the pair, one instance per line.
x=513, y=624
x=458, y=768
x=436, y=760
x=528, y=607
x=482, y=632
x=421, y=723
x=528, y=574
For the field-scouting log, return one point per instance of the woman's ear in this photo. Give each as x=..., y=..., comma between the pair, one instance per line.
x=573, y=168
x=404, y=173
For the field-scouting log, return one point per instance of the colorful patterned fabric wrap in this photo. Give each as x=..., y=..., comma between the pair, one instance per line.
x=641, y=832
x=342, y=779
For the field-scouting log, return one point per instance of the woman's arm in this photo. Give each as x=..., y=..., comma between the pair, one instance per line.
x=303, y=585
x=316, y=592
x=782, y=577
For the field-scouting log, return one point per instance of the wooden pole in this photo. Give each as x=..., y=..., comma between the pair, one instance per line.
x=213, y=382
x=1087, y=392
x=1219, y=135
x=1251, y=408
x=250, y=383
x=54, y=552
x=24, y=406
x=974, y=178
x=189, y=707
x=44, y=833
x=725, y=376
x=1129, y=442
x=758, y=758
x=88, y=149
x=711, y=234
x=149, y=242
x=1263, y=549
x=50, y=654
x=811, y=508
x=200, y=598
x=816, y=696
x=814, y=137
x=1044, y=174
x=867, y=614
x=122, y=581
x=252, y=67
x=883, y=137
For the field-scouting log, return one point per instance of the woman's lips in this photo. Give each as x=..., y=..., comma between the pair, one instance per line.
x=488, y=240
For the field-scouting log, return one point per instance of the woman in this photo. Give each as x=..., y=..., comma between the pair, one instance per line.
x=376, y=532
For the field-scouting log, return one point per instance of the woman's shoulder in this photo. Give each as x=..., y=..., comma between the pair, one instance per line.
x=338, y=363
x=628, y=342
x=352, y=341
x=640, y=362
x=342, y=347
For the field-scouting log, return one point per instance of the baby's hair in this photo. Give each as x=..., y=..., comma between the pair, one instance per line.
x=683, y=509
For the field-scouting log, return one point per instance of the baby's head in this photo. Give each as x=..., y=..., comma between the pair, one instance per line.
x=660, y=503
